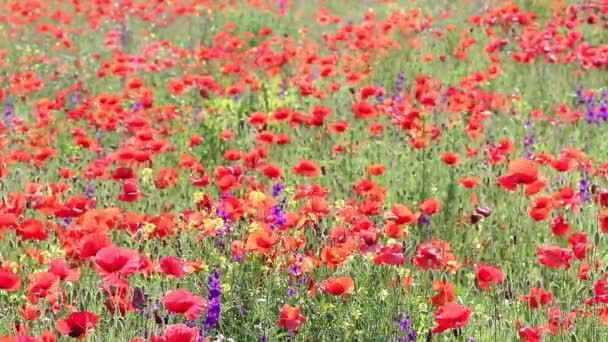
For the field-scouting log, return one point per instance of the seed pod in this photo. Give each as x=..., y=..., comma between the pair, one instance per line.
x=483, y=210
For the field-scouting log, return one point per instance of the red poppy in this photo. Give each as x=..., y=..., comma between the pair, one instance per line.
x=166, y=178
x=529, y=334
x=363, y=110
x=446, y=293
x=262, y=241
x=487, y=275
x=430, y=207
x=114, y=262
x=43, y=285
x=451, y=316
x=401, y=214
x=435, y=255
x=578, y=244
x=376, y=169
x=9, y=281
x=61, y=269
x=450, y=158
x=77, y=324
x=172, y=266
x=177, y=333
x=290, y=318
x=390, y=255
x=559, y=226
x=32, y=229
x=306, y=168
x=538, y=297
x=272, y=171
x=182, y=301
x=541, y=208
x=338, y=285
x=130, y=191
x=521, y=171
x=91, y=244
x=554, y=256
x=469, y=182
x=603, y=218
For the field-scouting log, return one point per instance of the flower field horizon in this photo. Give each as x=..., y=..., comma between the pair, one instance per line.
x=299, y=170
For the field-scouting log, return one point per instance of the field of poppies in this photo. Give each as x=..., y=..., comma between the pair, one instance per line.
x=303, y=170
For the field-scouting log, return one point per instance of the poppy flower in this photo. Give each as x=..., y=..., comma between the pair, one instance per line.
x=578, y=244
x=538, y=297
x=177, y=333
x=451, y=316
x=60, y=268
x=376, y=169
x=306, y=168
x=430, y=207
x=272, y=171
x=554, y=256
x=182, y=301
x=77, y=324
x=445, y=293
x=290, y=318
x=451, y=159
x=603, y=218
x=9, y=281
x=130, y=191
x=338, y=285
x=172, y=266
x=435, y=255
x=390, y=255
x=487, y=275
x=520, y=171
x=90, y=244
x=469, y=182
x=401, y=214
x=262, y=241
x=559, y=226
x=528, y=334
x=32, y=229
x=541, y=208
x=43, y=285
x=114, y=262
x=363, y=110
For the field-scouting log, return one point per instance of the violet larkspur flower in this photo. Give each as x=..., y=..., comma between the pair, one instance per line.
x=590, y=113
x=214, y=310
x=9, y=112
x=580, y=98
x=90, y=192
x=75, y=98
x=425, y=220
x=585, y=195
x=405, y=325
x=529, y=140
x=279, y=216
x=603, y=111
x=277, y=189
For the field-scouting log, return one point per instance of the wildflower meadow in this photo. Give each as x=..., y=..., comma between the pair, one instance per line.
x=303, y=170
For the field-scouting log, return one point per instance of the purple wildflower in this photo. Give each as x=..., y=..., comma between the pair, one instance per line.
x=405, y=325
x=90, y=192
x=580, y=98
x=590, y=113
x=214, y=310
x=9, y=112
x=277, y=189
x=75, y=98
x=529, y=140
x=585, y=195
